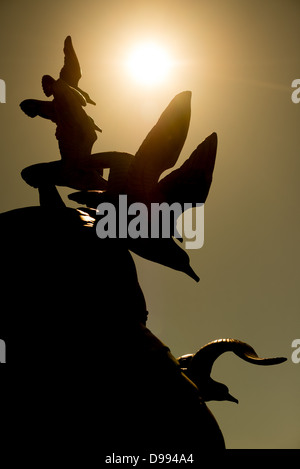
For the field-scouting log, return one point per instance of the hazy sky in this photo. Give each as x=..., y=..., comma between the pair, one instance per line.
x=239, y=59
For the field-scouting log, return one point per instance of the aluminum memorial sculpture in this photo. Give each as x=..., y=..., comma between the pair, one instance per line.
x=79, y=318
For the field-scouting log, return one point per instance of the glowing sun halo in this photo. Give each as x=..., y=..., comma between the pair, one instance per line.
x=149, y=64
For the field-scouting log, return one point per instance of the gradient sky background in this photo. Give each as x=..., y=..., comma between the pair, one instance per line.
x=239, y=59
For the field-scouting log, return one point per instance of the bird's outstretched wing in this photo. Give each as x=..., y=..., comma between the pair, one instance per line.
x=71, y=71
x=161, y=148
x=191, y=182
x=35, y=107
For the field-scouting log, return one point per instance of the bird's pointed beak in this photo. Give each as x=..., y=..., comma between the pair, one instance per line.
x=231, y=398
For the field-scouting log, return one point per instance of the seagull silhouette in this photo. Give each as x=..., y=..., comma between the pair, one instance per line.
x=138, y=175
x=198, y=366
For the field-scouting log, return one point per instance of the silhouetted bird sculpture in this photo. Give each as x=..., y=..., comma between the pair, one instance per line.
x=138, y=175
x=198, y=366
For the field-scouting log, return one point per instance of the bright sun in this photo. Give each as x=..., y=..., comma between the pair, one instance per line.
x=149, y=64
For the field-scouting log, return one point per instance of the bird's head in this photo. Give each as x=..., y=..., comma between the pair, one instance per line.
x=215, y=391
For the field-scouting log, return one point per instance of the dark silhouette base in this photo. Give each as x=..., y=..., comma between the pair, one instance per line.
x=83, y=372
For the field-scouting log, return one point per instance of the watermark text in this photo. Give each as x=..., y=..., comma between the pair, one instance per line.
x=160, y=220
x=2, y=91
x=296, y=93
x=2, y=351
x=296, y=352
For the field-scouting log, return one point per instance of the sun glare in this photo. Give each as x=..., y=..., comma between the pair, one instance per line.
x=149, y=64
